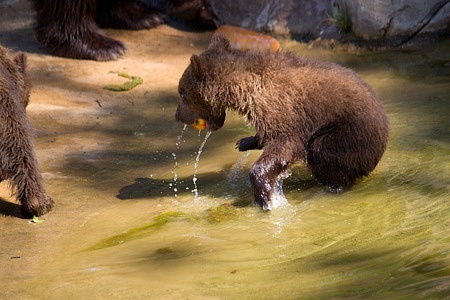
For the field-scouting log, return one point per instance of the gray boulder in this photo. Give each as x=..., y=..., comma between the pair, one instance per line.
x=396, y=22
x=400, y=20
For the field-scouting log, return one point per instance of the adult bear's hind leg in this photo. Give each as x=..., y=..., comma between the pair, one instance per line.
x=67, y=28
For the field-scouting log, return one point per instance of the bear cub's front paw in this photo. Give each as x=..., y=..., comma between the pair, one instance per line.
x=248, y=143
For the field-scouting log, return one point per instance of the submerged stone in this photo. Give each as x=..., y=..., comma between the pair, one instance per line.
x=223, y=212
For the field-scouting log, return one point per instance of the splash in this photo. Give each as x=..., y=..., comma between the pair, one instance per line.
x=236, y=169
x=175, y=167
x=238, y=179
x=197, y=159
x=278, y=199
x=282, y=213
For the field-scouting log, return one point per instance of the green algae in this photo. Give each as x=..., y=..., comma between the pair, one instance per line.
x=36, y=220
x=223, y=212
x=126, y=86
x=342, y=18
x=134, y=233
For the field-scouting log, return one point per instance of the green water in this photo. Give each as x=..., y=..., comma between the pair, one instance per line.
x=120, y=230
x=387, y=238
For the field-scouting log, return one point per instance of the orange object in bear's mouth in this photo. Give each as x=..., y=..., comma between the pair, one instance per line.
x=199, y=124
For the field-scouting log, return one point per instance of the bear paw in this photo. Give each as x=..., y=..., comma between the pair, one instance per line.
x=87, y=44
x=248, y=143
x=37, y=207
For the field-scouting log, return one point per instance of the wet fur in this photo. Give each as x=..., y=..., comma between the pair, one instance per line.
x=18, y=162
x=303, y=111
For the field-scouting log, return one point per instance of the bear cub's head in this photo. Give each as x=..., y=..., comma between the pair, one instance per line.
x=14, y=77
x=200, y=86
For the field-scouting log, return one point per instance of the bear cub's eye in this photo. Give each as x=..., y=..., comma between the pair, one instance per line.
x=182, y=93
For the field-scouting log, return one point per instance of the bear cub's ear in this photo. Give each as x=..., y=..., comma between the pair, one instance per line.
x=21, y=61
x=197, y=66
x=219, y=42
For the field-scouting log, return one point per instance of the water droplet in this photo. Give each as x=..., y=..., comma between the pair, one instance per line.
x=174, y=170
x=197, y=159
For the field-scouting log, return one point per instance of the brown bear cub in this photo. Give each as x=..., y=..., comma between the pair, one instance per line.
x=303, y=110
x=17, y=158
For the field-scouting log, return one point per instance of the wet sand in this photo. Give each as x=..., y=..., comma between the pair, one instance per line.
x=86, y=136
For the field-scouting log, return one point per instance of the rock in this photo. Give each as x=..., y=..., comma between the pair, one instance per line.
x=397, y=20
x=385, y=21
x=440, y=22
x=369, y=19
x=298, y=17
x=259, y=15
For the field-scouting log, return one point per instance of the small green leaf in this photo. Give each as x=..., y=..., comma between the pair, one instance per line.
x=36, y=220
x=135, y=81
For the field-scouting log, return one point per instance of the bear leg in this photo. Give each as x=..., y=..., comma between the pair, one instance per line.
x=23, y=171
x=38, y=205
x=268, y=170
x=21, y=168
x=18, y=161
x=67, y=28
x=338, y=154
x=127, y=14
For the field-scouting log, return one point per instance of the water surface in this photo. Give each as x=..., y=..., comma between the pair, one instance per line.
x=120, y=230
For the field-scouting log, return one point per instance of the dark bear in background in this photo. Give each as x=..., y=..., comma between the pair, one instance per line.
x=303, y=110
x=17, y=158
x=70, y=28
